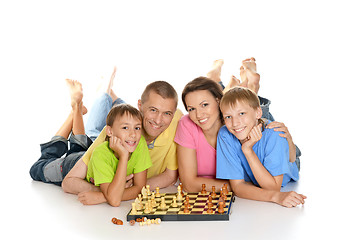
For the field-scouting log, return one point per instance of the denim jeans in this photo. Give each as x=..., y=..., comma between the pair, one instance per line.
x=52, y=165
x=98, y=115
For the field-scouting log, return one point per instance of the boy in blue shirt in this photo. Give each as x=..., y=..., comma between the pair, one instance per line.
x=255, y=162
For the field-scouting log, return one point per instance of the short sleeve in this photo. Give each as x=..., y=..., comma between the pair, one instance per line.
x=143, y=161
x=229, y=166
x=184, y=134
x=103, y=170
x=276, y=154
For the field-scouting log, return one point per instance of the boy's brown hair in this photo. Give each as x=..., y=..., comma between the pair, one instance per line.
x=244, y=95
x=240, y=94
x=119, y=111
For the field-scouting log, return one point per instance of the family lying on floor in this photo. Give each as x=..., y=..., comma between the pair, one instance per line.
x=228, y=136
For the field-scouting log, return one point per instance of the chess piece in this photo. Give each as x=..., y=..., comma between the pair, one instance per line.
x=204, y=191
x=147, y=209
x=210, y=199
x=226, y=188
x=210, y=210
x=148, y=190
x=186, y=208
x=157, y=194
x=144, y=193
x=179, y=194
x=174, y=203
x=134, y=208
x=221, y=207
x=163, y=206
x=213, y=194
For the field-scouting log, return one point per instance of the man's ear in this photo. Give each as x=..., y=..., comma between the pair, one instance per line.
x=108, y=131
x=139, y=104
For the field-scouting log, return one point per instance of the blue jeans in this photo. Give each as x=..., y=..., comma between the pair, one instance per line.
x=98, y=115
x=265, y=103
x=52, y=166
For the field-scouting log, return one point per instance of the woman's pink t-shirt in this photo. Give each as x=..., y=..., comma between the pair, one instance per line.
x=190, y=135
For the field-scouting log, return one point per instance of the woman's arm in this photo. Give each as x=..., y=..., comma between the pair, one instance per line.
x=187, y=167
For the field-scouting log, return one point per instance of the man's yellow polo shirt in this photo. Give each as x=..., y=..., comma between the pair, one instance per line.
x=162, y=150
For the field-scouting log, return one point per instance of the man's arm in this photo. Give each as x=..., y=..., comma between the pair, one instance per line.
x=165, y=179
x=75, y=183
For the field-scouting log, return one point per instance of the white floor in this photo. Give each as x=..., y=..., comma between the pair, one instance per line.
x=308, y=55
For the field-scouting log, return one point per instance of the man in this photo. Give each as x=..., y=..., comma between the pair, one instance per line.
x=158, y=105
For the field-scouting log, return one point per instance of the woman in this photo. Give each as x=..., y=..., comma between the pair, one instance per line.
x=196, y=135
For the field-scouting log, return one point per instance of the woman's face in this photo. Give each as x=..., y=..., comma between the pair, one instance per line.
x=203, y=109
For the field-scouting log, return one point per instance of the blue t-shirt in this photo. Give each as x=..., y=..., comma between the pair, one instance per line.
x=272, y=150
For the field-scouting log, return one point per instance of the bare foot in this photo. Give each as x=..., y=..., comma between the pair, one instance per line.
x=110, y=86
x=233, y=82
x=76, y=92
x=244, y=79
x=253, y=80
x=215, y=72
x=250, y=63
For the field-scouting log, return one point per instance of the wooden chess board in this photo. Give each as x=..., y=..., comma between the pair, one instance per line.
x=198, y=209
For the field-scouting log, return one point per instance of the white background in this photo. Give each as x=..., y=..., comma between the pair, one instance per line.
x=307, y=54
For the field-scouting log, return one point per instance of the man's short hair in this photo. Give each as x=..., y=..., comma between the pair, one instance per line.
x=162, y=88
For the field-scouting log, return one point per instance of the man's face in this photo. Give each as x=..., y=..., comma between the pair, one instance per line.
x=157, y=114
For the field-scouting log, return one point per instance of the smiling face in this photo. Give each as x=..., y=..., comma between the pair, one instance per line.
x=203, y=109
x=128, y=129
x=157, y=113
x=240, y=118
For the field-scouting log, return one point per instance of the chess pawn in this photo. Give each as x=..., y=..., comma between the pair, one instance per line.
x=174, y=203
x=214, y=194
x=157, y=194
x=179, y=194
x=148, y=190
x=163, y=206
x=221, y=207
x=134, y=208
x=147, y=209
x=138, y=204
x=204, y=191
x=226, y=188
x=210, y=199
x=186, y=208
x=154, y=203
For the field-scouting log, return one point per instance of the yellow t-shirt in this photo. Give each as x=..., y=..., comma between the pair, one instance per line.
x=163, y=154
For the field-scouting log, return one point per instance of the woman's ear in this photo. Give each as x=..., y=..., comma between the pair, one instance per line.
x=108, y=131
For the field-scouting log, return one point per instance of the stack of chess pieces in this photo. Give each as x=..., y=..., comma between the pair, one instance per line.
x=152, y=198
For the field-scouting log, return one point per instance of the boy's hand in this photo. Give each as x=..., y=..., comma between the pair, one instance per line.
x=289, y=199
x=254, y=136
x=117, y=146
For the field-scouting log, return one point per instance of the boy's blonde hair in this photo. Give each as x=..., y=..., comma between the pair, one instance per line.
x=240, y=94
x=119, y=111
x=243, y=95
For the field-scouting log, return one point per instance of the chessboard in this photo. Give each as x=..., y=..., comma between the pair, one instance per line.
x=197, y=208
